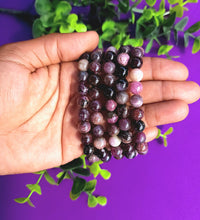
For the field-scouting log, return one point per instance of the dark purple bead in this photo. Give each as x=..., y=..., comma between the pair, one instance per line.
x=116, y=151
x=135, y=62
x=84, y=127
x=83, y=89
x=112, y=118
x=94, y=79
x=107, y=157
x=98, y=131
x=109, y=67
x=83, y=101
x=121, y=71
x=130, y=154
x=84, y=114
x=109, y=92
x=113, y=130
x=83, y=75
x=124, y=49
x=126, y=136
x=86, y=139
x=88, y=149
x=110, y=56
x=137, y=52
x=94, y=93
x=142, y=148
x=95, y=67
x=121, y=84
x=137, y=114
x=139, y=126
x=127, y=147
x=96, y=56
x=124, y=124
x=119, y=157
x=140, y=137
x=123, y=111
x=95, y=105
x=85, y=55
x=109, y=79
x=100, y=152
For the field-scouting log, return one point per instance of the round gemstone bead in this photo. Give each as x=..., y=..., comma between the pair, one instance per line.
x=112, y=118
x=109, y=79
x=124, y=49
x=107, y=157
x=126, y=137
x=116, y=151
x=94, y=79
x=142, y=148
x=123, y=59
x=109, y=92
x=95, y=105
x=119, y=157
x=121, y=71
x=136, y=74
x=122, y=98
x=83, y=89
x=113, y=130
x=94, y=93
x=110, y=56
x=114, y=141
x=136, y=101
x=109, y=67
x=130, y=154
x=83, y=64
x=96, y=56
x=83, y=75
x=140, y=137
x=95, y=67
x=111, y=105
x=127, y=147
x=100, y=142
x=86, y=139
x=88, y=149
x=124, y=124
x=84, y=114
x=135, y=62
x=135, y=87
x=137, y=114
x=121, y=84
x=85, y=55
x=137, y=52
x=113, y=49
x=139, y=126
x=83, y=101
x=100, y=152
x=93, y=158
x=98, y=131
x=122, y=111
x=84, y=127
x=97, y=118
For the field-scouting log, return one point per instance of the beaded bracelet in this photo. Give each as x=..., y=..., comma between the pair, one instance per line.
x=110, y=115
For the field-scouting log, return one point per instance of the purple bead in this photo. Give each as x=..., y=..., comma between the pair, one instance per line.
x=83, y=101
x=113, y=49
x=136, y=101
x=94, y=93
x=88, y=149
x=110, y=56
x=123, y=111
x=124, y=49
x=97, y=118
x=116, y=151
x=121, y=84
x=140, y=137
x=122, y=98
x=95, y=67
x=84, y=114
x=100, y=143
x=86, y=139
x=139, y=126
x=113, y=130
x=85, y=55
x=121, y=72
x=119, y=157
x=137, y=114
x=98, y=131
x=95, y=105
x=108, y=92
x=111, y=105
x=109, y=79
x=123, y=59
x=107, y=157
x=114, y=141
x=94, y=79
x=135, y=62
x=135, y=87
x=83, y=89
x=127, y=147
x=93, y=158
x=83, y=75
x=124, y=124
x=130, y=154
x=96, y=56
x=112, y=118
x=142, y=148
x=84, y=127
x=126, y=137
x=137, y=52
x=109, y=67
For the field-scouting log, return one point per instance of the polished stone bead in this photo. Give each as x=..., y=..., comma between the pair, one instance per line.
x=137, y=114
x=123, y=59
x=100, y=143
x=121, y=84
x=86, y=139
x=98, y=131
x=84, y=127
x=119, y=157
x=136, y=101
x=113, y=129
x=137, y=52
x=95, y=67
x=124, y=124
x=124, y=49
x=135, y=87
x=84, y=114
x=85, y=55
x=112, y=118
x=93, y=158
x=95, y=105
x=122, y=97
x=110, y=56
x=108, y=92
x=127, y=147
x=94, y=79
x=114, y=141
x=113, y=49
x=83, y=89
x=83, y=75
x=83, y=64
x=100, y=152
x=140, y=137
x=126, y=136
x=136, y=74
x=142, y=148
x=111, y=105
x=83, y=101
x=116, y=151
x=139, y=126
x=135, y=62
x=96, y=55
x=109, y=67
x=97, y=118
x=88, y=149
x=121, y=72
x=94, y=93
x=109, y=79
x=123, y=111
x=130, y=154
x=106, y=157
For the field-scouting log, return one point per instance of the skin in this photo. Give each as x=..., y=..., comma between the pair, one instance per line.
x=38, y=96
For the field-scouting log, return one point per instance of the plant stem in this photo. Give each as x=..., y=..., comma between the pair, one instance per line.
x=70, y=172
x=166, y=13
x=41, y=175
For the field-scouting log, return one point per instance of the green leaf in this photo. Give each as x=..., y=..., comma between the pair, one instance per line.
x=62, y=10
x=78, y=185
x=181, y=24
x=165, y=142
x=82, y=171
x=170, y=20
x=116, y=41
x=35, y=188
x=169, y=131
x=151, y=3
x=196, y=45
x=73, y=164
x=102, y=200
x=94, y=169
x=123, y=5
x=195, y=27
x=149, y=46
x=43, y=6
x=108, y=35
x=178, y=9
x=83, y=159
x=159, y=133
x=74, y=196
x=30, y=203
x=40, y=172
x=172, y=2
x=49, y=179
x=108, y=25
x=92, y=201
x=164, y=49
x=66, y=175
x=61, y=178
x=148, y=14
x=156, y=21
x=37, y=29
x=81, y=27
x=21, y=200
x=162, y=5
x=134, y=42
x=47, y=19
x=105, y=174
x=186, y=39
x=192, y=1
x=66, y=28
x=132, y=17
x=90, y=186
x=72, y=19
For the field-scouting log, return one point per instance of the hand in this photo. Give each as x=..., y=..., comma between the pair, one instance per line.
x=38, y=92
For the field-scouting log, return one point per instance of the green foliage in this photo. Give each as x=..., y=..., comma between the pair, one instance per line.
x=164, y=136
x=196, y=45
x=164, y=49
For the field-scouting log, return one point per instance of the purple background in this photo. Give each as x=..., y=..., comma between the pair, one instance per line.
x=164, y=184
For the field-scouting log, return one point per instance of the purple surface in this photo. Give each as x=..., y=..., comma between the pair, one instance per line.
x=164, y=184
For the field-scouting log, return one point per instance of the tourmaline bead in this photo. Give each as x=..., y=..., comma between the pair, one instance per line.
x=100, y=143
x=86, y=139
x=97, y=118
x=126, y=136
x=109, y=79
x=83, y=101
x=109, y=67
x=137, y=114
x=127, y=147
x=94, y=93
x=84, y=127
x=98, y=131
x=135, y=62
x=88, y=149
x=96, y=56
x=114, y=141
x=110, y=56
x=124, y=124
x=106, y=157
x=100, y=152
x=116, y=151
x=135, y=87
x=85, y=55
x=95, y=105
x=123, y=111
x=111, y=48
x=122, y=97
x=113, y=129
x=136, y=74
x=83, y=89
x=95, y=67
x=137, y=52
x=108, y=92
x=136, y=101
x=139, y=126
x=121, y=84
x=111, y=105
x=83, y=64
x=142, y=148
x=123, y=59
x=93, y=158
x=94, y=79
x=130, y=154
x=121, y=72
x=124, y=49
x=84, y=114
x=140, y=137
x=83, y=75
x=112, y=118
x=119, y=157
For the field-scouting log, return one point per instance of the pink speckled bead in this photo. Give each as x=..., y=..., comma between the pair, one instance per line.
x=111, y=105
x=109, y=67
x=123, y=59
x=93, y=158
x=97, y=118
x=135, y=87
x=136, y=101
x=114, y=141
x=112, y=49
x=83, y=65
x=100, y=143
x=84, y=127
x=136, y=74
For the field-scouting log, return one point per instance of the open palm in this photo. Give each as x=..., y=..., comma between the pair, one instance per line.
x=38, y=96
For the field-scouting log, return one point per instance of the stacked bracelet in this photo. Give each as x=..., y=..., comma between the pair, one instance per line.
x=110, y=116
